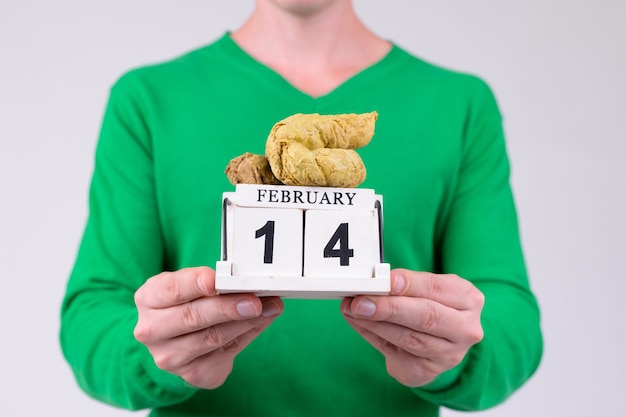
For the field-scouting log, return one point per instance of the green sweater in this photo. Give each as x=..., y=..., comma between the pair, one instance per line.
x=439, y=159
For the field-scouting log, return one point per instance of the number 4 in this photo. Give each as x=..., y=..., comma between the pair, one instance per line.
x=344, y=253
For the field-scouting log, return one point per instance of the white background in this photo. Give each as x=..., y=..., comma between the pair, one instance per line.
x=556, y=66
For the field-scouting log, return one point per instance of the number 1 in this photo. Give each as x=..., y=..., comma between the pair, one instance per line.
x=268, y=231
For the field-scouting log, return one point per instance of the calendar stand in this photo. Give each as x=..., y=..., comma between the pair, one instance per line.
x=302, y=242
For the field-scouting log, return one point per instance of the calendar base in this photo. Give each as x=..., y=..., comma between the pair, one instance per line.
x=302, y=287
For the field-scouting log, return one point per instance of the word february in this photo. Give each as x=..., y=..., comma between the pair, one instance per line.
x=288, y=195
x=283, y=196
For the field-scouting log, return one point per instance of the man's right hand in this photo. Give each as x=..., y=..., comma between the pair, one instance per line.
x=193, y=332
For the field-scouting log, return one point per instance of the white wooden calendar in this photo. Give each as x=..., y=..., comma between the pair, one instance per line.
x=302, y=242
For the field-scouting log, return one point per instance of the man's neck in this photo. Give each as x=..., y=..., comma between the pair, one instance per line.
x=315, y=53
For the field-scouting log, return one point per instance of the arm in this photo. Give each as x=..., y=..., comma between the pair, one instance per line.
x=435, y=333
x=121, y=248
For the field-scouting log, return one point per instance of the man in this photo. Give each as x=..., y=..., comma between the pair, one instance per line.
x=439, y=159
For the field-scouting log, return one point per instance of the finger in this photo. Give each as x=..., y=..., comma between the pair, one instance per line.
x=175, y=288
x=203, y=313
x=211, y=370
x=406, y=368
x=161, y=324
x=450, y=290
x=175, y=353
x=414, y=342
x=421, y=315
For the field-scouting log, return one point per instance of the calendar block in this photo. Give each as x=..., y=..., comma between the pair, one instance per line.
x=340, y=243
x=264, y=240
x=302, y=242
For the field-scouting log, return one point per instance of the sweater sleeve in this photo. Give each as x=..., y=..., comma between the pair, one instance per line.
x=121, y=247
x=481, y=242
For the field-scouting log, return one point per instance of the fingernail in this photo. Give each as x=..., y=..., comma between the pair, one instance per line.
x=247, y=308
x=202, y=286
x=398, y=285
x=270, y=309
x=365, y=308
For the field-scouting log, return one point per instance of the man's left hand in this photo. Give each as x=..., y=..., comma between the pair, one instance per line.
x=424, y=327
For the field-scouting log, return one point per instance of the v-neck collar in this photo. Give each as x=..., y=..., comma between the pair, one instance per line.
x=376, y=69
